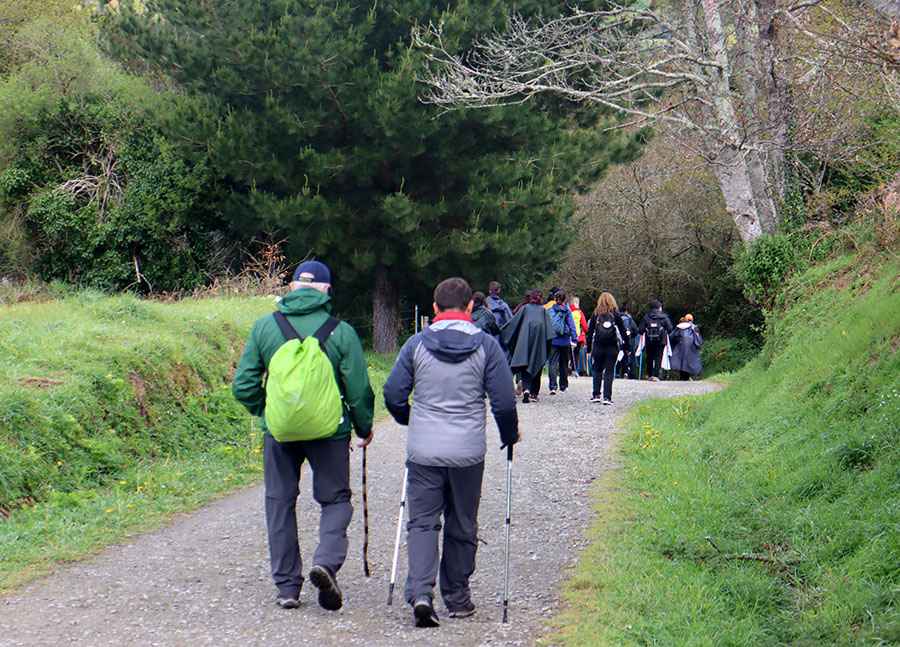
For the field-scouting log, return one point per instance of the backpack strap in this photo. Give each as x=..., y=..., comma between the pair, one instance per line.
x=325, y=330
x=321, y=334
x=286, y=328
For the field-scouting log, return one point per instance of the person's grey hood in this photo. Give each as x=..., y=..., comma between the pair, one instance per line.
x=451, y=340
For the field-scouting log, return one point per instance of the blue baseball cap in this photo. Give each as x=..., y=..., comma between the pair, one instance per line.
x=312, y=272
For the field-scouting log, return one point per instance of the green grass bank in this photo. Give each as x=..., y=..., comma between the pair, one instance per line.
x=767, y=513
x=116, y=413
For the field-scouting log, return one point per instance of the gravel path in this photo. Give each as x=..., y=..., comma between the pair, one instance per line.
x=204, y=580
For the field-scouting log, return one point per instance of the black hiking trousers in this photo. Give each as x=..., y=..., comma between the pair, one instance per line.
x=654, y=354
x=530, y=383
x=330, y=463
x=559, y=363
x=603, y=364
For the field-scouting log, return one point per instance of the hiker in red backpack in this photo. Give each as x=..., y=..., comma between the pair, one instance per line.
x=581, y=325
x=307, y=311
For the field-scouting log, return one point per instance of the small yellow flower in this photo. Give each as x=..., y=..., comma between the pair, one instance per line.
x=59, y=462
x=193, y=489
x=228, y=448
x=128, y=506
x=110, y=510
x=121, y=482
x=674, y=482
x=255, y=451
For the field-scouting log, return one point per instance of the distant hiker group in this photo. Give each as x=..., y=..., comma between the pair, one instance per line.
x=303, y=373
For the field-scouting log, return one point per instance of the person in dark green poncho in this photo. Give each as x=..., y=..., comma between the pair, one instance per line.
x=527, y=337
x=307, y=307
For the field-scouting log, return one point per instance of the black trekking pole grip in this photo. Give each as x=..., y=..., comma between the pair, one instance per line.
x=509, y=452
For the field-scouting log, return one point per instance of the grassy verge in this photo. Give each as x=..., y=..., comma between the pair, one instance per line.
x=765, y=514
x=116, y=413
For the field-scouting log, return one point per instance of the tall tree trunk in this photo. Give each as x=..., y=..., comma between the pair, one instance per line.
x=385, y=322
x=776, y=94
x=731, y=164
x=762, y=186
x=737, y=188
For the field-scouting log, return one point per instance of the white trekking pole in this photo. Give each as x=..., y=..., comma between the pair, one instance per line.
x=397, y=539
x=509, y=458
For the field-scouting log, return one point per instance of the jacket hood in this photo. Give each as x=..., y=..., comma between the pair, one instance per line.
x=657, y=314
x=452, y=341
x=560, y=308
x=303, y=301
x=685, y=324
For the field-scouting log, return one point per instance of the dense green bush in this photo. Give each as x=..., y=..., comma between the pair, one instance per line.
x=91, y=191
x=764, y=265
x=727, y=354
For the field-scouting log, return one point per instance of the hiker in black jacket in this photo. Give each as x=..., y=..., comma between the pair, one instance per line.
x=631, y=362
x=655, y=327
x=483, y=317
x=604, y=345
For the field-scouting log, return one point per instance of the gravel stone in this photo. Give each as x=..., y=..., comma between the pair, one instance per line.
x=204, y=578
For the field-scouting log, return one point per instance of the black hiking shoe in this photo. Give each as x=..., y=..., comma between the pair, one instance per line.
x=466, y=612
x=423, y=610
x=329, y=592
x=526, y=397
x=287, y=602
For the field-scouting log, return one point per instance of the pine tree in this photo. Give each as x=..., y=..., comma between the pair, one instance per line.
x=315, y=128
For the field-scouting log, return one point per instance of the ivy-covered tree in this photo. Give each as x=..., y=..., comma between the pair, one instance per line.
x=315, y=129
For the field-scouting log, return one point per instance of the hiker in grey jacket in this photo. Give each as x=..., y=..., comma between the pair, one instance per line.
x=448, y=368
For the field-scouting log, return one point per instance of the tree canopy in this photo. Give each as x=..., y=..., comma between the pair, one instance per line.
x=315, y=131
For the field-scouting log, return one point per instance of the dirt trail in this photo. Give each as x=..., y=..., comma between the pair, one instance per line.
x=204, y=580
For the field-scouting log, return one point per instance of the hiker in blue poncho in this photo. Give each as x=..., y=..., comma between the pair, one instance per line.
x=686, y=344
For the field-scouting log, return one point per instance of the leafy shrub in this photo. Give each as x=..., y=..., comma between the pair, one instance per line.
x=727, y=355
x=88, y=183
x=764, y=266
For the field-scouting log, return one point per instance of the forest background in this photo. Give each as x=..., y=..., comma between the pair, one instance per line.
x=166, y=146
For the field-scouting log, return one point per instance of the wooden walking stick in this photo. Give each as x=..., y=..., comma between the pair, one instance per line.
x=365, y=495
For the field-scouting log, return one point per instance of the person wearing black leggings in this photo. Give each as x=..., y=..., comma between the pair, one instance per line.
x=603, y=343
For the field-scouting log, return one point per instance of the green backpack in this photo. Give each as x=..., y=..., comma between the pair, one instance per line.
x=303, y=401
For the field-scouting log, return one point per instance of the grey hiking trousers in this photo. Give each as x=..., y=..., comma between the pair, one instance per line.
x=455, y=493
x=330, y=463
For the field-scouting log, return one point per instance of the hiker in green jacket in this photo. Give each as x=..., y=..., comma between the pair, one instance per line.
x=307, y=307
